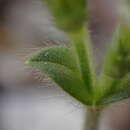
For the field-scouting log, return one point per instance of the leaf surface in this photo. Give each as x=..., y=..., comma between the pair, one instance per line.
x=122, y=91
x=60, y=65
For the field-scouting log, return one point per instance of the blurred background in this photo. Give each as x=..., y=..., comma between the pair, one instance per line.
x=29, y=101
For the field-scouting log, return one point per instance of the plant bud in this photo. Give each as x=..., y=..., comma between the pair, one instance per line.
x=69, y=14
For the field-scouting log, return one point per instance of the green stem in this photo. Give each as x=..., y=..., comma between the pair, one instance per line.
x=92, y=119
x=80, y=43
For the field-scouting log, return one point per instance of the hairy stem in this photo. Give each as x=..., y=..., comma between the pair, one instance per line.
x=92, y=119
x=80, y=43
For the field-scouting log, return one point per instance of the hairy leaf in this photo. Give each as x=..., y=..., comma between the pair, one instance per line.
x=121, y=92
x=59, y=64
x=117, y=65
x=56, y=54
x=118, y=61
x=116, y=98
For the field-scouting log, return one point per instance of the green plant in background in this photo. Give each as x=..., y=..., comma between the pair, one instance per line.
x=71, y=67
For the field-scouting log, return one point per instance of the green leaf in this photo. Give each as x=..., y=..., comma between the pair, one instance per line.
x=121, y=92
x=115, y=98
x=56, y=54
x=117, y=64
x=118, y=61
x=60, y=65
